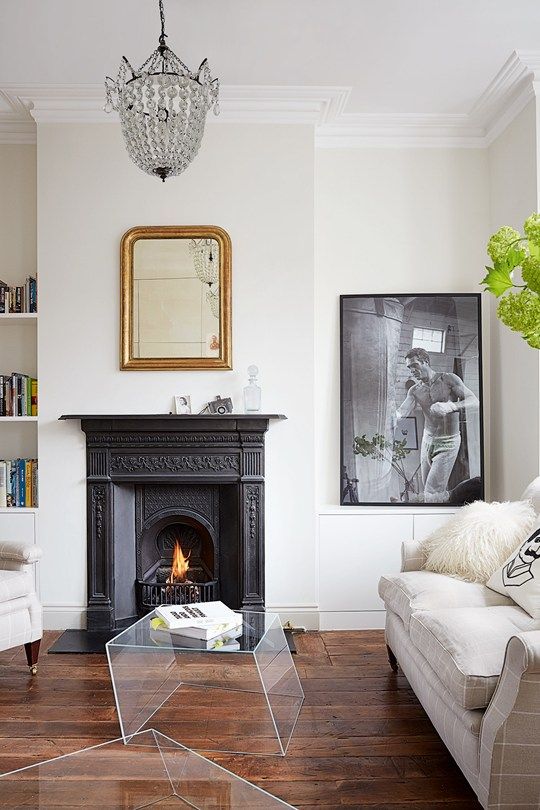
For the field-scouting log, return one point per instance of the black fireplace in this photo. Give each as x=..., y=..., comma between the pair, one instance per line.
x=182, y=491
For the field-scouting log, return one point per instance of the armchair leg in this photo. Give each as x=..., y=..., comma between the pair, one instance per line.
x=31, y=649
x=392, y=660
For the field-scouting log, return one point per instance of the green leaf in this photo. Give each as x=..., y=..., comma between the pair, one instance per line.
x=497, y=280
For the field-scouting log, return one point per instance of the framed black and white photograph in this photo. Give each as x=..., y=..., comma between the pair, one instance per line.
x=182, y=403
x=411, y=399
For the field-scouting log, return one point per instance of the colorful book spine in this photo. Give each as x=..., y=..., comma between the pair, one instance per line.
x=18, y=395
x=3, y=484
x=19, y=483
x=19, y=299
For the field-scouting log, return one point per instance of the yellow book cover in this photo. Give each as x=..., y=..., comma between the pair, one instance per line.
x=34, y=398
x=28, y=482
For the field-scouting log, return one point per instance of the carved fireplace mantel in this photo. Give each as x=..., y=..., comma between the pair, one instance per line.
x=128, y=451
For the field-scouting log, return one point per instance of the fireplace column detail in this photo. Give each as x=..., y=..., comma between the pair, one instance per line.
x=99, y=545
x=252, y=525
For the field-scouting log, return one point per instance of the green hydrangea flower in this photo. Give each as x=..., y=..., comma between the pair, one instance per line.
x=521, y=313
x=532, y=228
x=530, y=268
x=500, y=242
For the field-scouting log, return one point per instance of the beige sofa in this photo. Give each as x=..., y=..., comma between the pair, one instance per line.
x=472, y=657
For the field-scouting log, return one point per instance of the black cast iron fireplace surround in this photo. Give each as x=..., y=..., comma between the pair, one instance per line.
x=144, y=470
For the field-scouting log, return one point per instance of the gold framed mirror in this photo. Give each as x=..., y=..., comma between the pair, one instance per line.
x=175, y=298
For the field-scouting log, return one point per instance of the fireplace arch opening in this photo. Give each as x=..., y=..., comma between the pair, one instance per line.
x=178, y=563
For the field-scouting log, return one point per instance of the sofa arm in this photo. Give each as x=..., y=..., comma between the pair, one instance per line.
x=412, y=555
x=24, y=553
x=509, y=750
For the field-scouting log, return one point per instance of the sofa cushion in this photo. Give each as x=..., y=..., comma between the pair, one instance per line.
x=519, y=576
x=424, y=590
x=466, y=647
x=14, y=584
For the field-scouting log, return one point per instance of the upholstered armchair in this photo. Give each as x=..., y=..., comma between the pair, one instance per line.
x=20, y=610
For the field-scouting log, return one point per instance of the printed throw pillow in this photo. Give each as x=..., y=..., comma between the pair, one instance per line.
x=478, y=538
x=519, y=576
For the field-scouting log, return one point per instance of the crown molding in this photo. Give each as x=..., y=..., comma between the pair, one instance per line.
x=323, y=108
x=16, y=124
x=76, y=104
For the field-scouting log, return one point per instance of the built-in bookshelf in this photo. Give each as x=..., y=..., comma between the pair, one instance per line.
x=18, y=409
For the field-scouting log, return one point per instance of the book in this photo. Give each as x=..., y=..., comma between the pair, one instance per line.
x=33, y=397
x=201, y=620
x=18, y=395
x=224, y=642
x=3, y=484
x=20, y=477
x=22, y=298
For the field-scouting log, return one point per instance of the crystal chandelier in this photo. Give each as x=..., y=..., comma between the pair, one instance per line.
x=206, y=263
x=205, y=260
x=212, y=296
x=162, y=108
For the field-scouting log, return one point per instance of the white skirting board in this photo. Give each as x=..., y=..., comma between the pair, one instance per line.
x=64, y=617
x=352, y=620
x=73, y=617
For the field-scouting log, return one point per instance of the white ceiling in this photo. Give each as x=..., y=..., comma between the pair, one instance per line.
x=398, y=56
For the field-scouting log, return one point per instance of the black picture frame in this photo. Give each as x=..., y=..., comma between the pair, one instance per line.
x=376, y=332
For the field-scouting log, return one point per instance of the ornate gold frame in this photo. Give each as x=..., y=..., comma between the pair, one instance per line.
x=130, y=363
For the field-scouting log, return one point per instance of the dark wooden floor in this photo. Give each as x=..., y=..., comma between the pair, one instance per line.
x=362, y=740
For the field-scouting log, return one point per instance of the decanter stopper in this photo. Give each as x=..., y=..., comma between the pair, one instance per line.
x=252, y=392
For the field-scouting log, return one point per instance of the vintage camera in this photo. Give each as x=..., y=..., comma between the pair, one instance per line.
x=220, y=406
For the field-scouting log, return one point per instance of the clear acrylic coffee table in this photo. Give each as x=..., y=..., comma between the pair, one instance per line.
x=241, y=700
x=153, y=771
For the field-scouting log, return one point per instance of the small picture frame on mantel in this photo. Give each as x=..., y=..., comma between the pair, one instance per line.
x=182, y=404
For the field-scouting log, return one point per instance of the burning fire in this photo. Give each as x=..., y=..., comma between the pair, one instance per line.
x=180, y=565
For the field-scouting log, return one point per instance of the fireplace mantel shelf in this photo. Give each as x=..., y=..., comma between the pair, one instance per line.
x=241, y=417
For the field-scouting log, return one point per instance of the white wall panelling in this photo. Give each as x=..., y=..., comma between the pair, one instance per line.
x=355, y=549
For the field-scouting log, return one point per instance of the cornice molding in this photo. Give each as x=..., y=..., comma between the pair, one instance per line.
x=323, y=108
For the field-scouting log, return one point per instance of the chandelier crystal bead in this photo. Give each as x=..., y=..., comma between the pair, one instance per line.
x=162, y=108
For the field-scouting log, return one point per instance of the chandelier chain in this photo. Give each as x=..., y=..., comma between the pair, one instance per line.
x=162, y=18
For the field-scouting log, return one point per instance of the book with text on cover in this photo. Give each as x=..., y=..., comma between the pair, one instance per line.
x=224, y=642
x=202, y=620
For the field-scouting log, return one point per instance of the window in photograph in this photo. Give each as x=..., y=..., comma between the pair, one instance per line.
x=432, y=340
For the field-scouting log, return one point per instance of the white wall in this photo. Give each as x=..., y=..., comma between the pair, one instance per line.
x=386, y=221
x=257, y=183
x=515, y=374
x=389, y=221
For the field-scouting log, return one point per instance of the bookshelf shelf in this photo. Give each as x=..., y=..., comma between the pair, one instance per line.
x=18, y=418
x=19, y=510
x=18, y=316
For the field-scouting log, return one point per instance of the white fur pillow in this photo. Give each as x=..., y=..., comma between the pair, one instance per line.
x=478, y=539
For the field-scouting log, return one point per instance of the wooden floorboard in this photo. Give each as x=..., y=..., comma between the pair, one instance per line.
x=362, y=739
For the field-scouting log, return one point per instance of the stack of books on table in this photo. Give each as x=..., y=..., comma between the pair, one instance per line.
x=199, y=626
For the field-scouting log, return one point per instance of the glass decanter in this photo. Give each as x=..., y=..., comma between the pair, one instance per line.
x=252, y=392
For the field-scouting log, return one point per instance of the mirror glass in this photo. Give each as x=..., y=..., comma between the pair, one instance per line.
x=176, y=298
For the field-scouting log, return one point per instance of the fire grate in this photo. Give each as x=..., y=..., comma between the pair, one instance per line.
x=152, y=594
